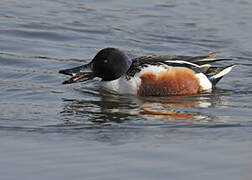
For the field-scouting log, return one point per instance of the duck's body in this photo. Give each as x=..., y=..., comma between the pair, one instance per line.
x=159, y=80
x=150, y=75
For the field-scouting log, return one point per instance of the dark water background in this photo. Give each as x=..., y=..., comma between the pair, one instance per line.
x=54, y=131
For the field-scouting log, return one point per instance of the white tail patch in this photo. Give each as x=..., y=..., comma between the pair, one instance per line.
x=205, y=84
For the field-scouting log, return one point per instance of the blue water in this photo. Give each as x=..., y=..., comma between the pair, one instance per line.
x=54, y=131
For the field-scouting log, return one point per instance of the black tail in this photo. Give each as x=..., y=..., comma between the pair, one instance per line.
x=215, y=74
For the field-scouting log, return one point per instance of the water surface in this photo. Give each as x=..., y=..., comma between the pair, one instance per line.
x=54, y=131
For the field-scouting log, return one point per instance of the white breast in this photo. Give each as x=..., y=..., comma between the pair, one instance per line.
x=121, y=85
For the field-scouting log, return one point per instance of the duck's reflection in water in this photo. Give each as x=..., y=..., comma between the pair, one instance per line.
x=177, y=109
x=108, y=108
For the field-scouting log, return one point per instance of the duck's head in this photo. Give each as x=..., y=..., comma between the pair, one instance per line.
x=108, y=64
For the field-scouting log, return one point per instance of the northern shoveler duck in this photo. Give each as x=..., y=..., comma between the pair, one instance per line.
x=150, y=75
